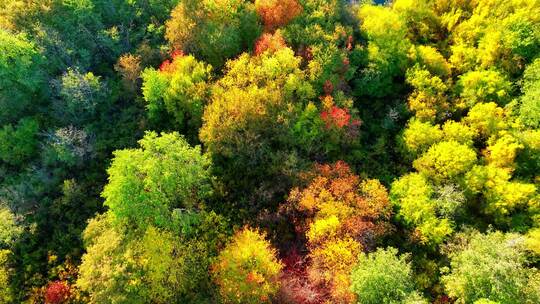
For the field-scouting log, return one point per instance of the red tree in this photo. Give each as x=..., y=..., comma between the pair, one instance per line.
x=269, y=42
x=57, y=292
x=276, y=13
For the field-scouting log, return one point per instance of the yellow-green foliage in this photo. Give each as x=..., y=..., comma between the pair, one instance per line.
x=459, y=132
x=501, y=194
x=486, y=118
x=180, y=88
x=247, y=270
x=412, y=194
x=419, y=136
x=502, y=151
x=213, y=30
x=5, y=287
x=533, y=240
x=147, y=183
x=428, y=100
x=446, y=161
x=483, y=86
x=429, y=58
x=256, y=96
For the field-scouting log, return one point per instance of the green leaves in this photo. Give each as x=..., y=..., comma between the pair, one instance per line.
x=20, y=71
x=19, y=143
x=146, y=184
x=490, y=266
x=383, y=277
x=178, y=89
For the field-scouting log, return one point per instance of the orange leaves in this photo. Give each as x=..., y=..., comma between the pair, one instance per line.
x=269, y=42
x=276, y=13
x=167, y=65
x=340, y=215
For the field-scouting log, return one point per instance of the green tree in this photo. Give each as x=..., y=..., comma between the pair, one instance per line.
x=21, y=74
x=414, y=196
x=483, y=86
x=383, y=277
x=179, y=89
x=530, y=101
x=146, y=184
x=213, y=31
x=491, y=266
x=19, y=143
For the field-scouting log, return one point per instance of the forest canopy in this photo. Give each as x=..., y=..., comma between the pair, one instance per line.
x=270, y=151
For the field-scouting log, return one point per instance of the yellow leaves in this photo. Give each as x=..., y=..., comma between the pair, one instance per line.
x=501, y=152
x=486, y=118
x=428, y=99
x=419, y=136
x=446, y=161
x=429, y=58
x=323, y=229
x=335, y=256
x=532, y=240
x=247, y=270
x=459, y=132
x=502, y=195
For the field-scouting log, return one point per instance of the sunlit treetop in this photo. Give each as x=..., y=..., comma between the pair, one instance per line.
x=148, y=183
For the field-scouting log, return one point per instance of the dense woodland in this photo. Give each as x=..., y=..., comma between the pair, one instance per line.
x=269, y=151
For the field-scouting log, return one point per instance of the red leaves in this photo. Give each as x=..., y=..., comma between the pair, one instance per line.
x=276, y=13
x=166, y=65
x=57, y=292
x=270, y=43
x=336, y=116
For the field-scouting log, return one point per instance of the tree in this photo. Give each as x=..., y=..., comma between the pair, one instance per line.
x=19, y=143
x=386, y=51
x=10, y=231
x=69, y=147
x=269, y=43
x=530, y=104
x=428, y=100
x=22, y=77
x=383, y=277
x=247, y=270
x=341, y=215
x=81, y=95
x=246, y=126
x=502, y=195
x=419, y=136
x=413, y=195
x=276, y=13
x=213, y=31
x=490, y=266
x=147, y=183
x=179, y=89
x=446, y=161
x=459, y=132
x=487, y=119
x=483, y=86
x=155, y=265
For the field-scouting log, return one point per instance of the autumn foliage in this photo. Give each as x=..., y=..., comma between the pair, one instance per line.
x=269, y=43
x=276, y=13
x=341, y=215
x=247, y=270
x=57, y=292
